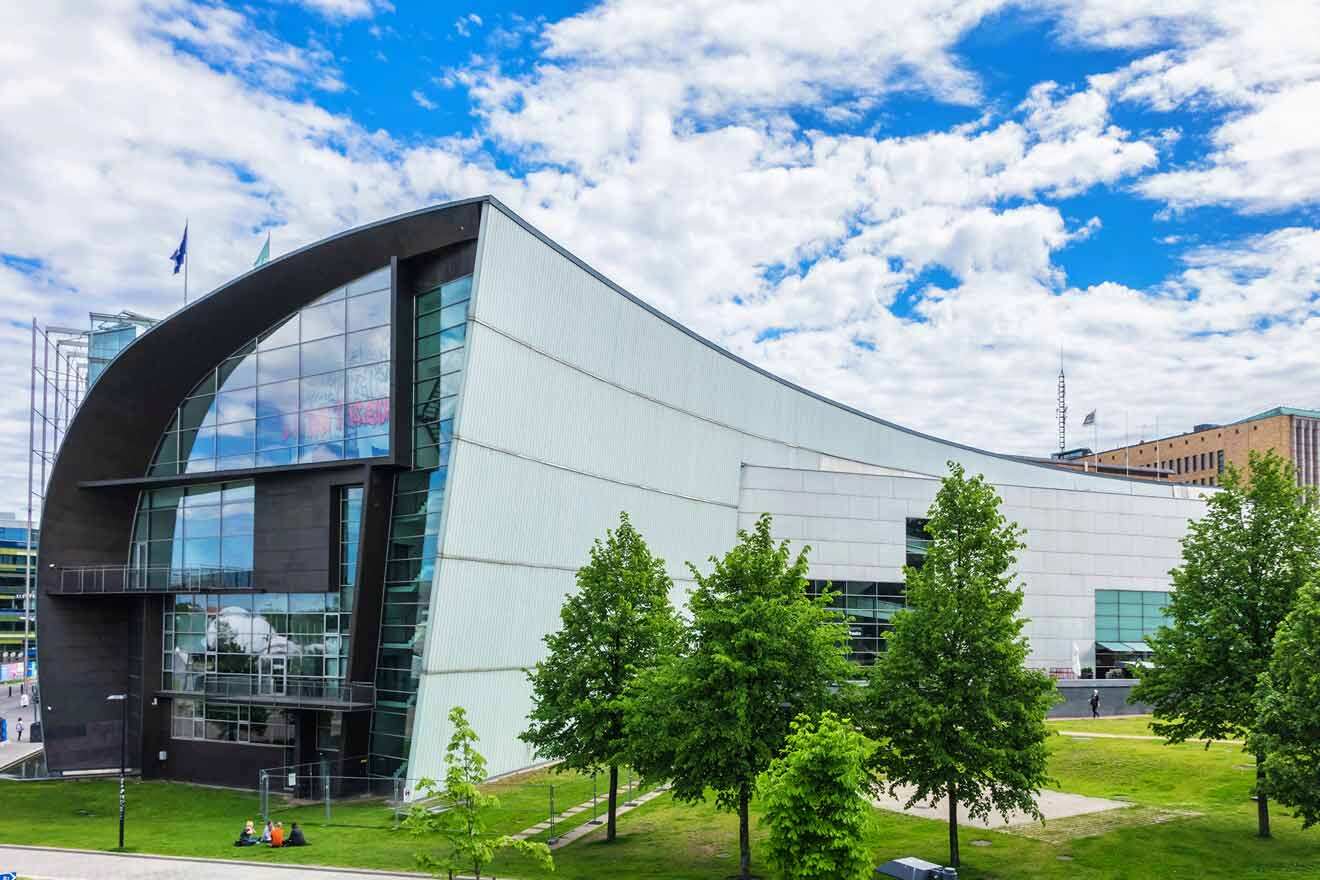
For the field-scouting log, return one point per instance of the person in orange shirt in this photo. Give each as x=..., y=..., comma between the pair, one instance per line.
x=277, y=835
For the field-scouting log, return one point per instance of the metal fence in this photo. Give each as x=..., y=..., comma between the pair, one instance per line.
x=552, y=803
x=113, y=579
x=272, y=689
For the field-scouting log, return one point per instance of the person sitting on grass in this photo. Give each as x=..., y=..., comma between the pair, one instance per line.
x=296, y=836
x=248, y=836
x=266, y=832
x=277, y=835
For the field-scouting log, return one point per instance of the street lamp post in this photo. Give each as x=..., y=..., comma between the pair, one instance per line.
x=123, y=753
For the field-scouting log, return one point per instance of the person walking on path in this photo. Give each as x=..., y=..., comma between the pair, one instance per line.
x=1095, y=703
x=18, y=728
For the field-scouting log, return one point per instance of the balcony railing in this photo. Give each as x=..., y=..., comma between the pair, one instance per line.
x=119, y=579
x=271, y=689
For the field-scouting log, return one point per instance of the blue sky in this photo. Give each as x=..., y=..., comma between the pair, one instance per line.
x=911, y=212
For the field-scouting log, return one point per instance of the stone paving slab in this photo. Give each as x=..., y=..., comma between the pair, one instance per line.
x=1053, y=804
x=586, y=827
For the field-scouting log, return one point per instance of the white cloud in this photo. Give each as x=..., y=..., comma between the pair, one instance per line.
x=423, y=101
x=465, y=24
x=1260, y=62
x=662, y=144
x=347, y=9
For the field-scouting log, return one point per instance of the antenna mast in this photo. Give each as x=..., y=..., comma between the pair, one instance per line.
x=1062, y=409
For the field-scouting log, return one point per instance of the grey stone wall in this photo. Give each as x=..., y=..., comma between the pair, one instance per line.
x=1114, y=695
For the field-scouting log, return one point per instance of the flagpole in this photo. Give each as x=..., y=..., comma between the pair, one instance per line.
x=186, y=261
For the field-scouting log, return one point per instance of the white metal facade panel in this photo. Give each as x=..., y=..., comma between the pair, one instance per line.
x=1077, y=542
x=578, y=402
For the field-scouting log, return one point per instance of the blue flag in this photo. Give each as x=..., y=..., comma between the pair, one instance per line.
x=181, y=252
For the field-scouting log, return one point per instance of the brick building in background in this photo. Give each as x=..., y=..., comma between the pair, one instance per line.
x=1200, y=456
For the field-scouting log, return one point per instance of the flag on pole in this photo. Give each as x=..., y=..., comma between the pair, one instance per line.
x=1089, y=420
x=265, y=253
x=181, y=252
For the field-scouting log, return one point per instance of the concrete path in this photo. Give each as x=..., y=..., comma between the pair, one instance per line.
x=13, y=752
x=43, y=863
x=1054, y=804
x=1082, y=734
x=586, y=827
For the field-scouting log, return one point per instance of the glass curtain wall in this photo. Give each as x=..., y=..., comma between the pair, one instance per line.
x=438, y=349
x=316, y=387
x=869, y=607
x=198, y=536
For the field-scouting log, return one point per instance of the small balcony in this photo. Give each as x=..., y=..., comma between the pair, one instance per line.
x=119, y=580
x=271, y=689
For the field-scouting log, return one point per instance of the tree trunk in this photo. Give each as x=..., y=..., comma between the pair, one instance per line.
x=953, y=826
x=744, y=835
x=614, y=802
x=1262, y=801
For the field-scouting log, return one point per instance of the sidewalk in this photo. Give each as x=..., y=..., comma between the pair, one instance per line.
x=1082, y=734
x=45, y=863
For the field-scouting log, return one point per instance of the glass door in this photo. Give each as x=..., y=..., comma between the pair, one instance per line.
x=272, y=675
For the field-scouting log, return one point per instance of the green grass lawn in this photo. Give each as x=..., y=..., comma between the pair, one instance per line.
x=676, y=842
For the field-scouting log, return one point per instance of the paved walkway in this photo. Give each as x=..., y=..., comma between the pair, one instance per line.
x=43, y=863
x=13, y=752
x=1054, y=804
x=586, y=827
x=1082, y=734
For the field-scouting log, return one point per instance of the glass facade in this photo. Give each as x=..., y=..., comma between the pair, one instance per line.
x=917, y=541
x=869, y=607
x=198, y=535
x=262, y=643
x=1124, y=618
x=230, y=722
x=316, y=387
x=439, y=336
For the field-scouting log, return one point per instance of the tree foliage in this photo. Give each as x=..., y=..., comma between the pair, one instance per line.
x=957, y=713
x=1242, y=565
x=758, y=652
x=1288, y=700
x=815, y=804
x=619, y=621
x=468, y=845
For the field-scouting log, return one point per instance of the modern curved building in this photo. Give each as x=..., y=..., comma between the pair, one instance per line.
x=308, y=513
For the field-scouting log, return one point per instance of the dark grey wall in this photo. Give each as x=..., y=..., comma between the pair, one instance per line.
x=213, y=763
x=83, y=642
x=1114, y=694
x=294, y=547
x=82, y=730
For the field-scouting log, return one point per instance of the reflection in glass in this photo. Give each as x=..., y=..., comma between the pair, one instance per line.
x=282, y=390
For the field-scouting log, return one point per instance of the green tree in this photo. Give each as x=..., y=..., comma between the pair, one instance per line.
x=815, y=804
x=758, y=652
x=1288, y=700
x=467, y=843
x=1242, y=565
x=956, y=711
x=617, y=623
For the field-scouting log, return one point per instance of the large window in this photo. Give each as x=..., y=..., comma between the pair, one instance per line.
x=263, y=643
x=917, y=540
x=228, y=722
x=199, y=535
x=1124, y=618
x=439, y=338
x=869, y=607
x=316, y=387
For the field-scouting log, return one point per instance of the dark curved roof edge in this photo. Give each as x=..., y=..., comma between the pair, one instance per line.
x=584, y=266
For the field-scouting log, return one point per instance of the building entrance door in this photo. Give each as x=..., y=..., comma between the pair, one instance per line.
x=273, y=675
